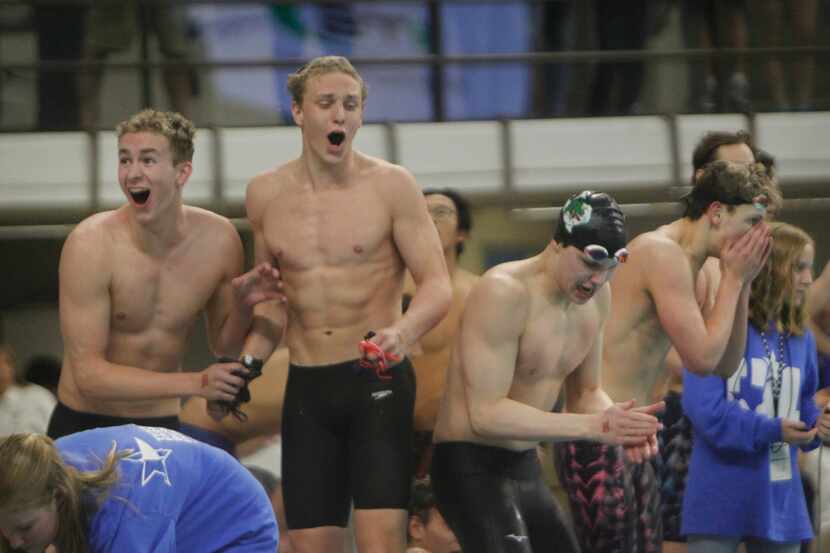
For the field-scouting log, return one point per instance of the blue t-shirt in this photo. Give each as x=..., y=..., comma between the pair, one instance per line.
x=174, y=494
x=735, y=488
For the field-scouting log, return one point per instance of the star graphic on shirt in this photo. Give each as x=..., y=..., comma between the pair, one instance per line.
x=153, y=461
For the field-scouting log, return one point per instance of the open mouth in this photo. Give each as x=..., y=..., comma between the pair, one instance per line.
x=140, y=196
x=585, y=289
x=336, y=137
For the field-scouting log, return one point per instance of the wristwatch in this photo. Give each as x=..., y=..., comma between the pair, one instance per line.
x=254, y=364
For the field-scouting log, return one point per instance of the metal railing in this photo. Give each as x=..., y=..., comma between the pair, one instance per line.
x=650, y=200
x=437, y=60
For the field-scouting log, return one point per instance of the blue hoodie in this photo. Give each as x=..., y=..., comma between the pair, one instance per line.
x=731, y=490
x=174, y=494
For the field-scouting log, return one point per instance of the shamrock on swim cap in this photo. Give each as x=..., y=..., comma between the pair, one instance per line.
x=591, y=218
x=577, y=211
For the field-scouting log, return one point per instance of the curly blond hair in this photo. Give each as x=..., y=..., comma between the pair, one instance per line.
x=176, y=128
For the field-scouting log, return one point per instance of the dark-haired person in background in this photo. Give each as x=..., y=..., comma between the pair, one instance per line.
x=452, y=217
x=427, y=531
x=24, y=407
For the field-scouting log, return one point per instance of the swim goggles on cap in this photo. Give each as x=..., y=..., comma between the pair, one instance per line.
x=600, y=254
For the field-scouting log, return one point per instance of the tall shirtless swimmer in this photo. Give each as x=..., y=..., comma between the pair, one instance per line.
x=342, y=228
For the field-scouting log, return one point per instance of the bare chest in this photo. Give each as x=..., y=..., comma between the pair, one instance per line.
x=554, y=344
x=332, y=228
x=634, y=318
x=169, y=294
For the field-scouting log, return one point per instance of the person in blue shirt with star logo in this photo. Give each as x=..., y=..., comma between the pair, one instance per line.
x=129, y=488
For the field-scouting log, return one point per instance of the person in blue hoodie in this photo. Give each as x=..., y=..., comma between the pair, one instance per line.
x=744, y=483
x=129, y=488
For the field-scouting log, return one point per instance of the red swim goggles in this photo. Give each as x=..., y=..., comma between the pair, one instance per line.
x=373, y=357
x=600, y=254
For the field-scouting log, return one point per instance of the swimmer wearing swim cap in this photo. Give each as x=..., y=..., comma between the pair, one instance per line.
x=593, y=223
x=531, y=329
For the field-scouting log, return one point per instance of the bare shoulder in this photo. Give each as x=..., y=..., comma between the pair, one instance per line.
x=465, y=280
x=95, y=232
x=653, y=258
x=654, y=247
x=209, y=223
x=391, y=180
x=266, y=185
x=87, y=252
x=665, y=268
x=652, y=241
x=207, y=218
x=499, y=304
x=500, y=285
x=382, y=168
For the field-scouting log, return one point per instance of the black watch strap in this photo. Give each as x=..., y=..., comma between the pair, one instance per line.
x=254, y=364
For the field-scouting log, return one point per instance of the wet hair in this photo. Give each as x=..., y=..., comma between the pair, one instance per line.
x=462, y=208
x=731, y=184
x=176, y=128
x=706, y=150
x=323, y=65
x=772, y=298
x=591, y=218
x=34, y=474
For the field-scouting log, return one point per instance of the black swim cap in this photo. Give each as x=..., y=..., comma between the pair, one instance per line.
x=591, y=218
